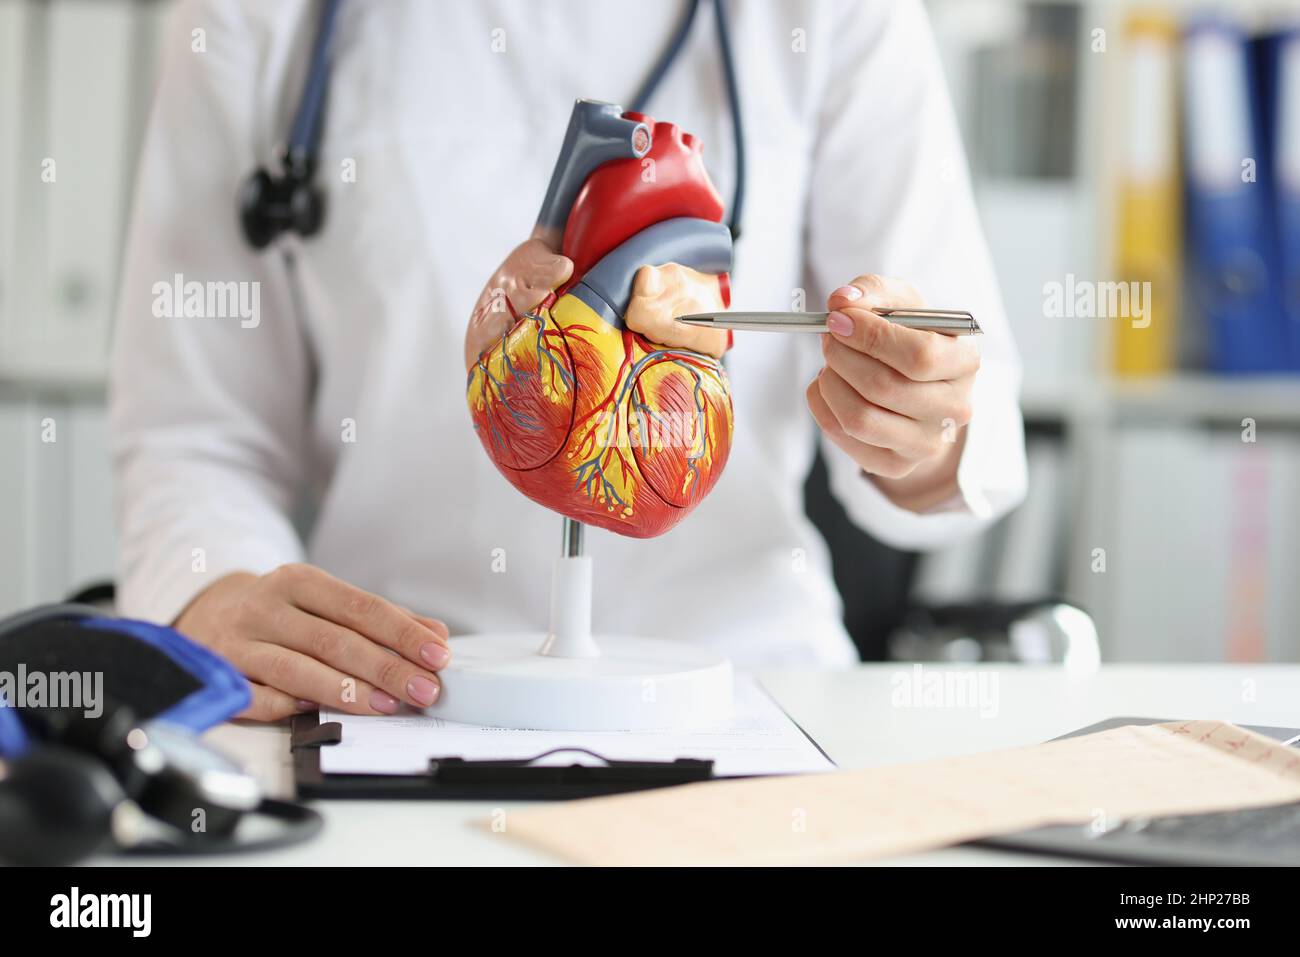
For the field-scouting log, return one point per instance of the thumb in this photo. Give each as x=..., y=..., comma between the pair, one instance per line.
x=649, y=281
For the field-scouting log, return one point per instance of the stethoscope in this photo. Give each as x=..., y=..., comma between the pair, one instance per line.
x=292, y=202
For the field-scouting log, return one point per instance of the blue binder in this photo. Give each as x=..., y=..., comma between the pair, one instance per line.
x=1279, y=84
x=1232, y=257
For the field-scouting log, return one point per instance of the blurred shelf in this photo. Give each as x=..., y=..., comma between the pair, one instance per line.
x=1185, y=397
x=18, y=385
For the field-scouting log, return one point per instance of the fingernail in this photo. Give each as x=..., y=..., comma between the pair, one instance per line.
x=839, y=323
x=435, y=655
x=304, y=705
x=848, y=292
x=383, y=703
x=423, y=690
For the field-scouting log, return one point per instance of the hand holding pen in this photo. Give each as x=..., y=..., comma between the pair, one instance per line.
x=894, y=397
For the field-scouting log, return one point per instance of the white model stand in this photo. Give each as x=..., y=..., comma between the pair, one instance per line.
x=566, y=680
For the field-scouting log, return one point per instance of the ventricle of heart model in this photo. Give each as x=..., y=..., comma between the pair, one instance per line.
x=578, y=412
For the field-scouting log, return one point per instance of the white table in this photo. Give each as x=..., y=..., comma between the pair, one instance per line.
x=852, y=714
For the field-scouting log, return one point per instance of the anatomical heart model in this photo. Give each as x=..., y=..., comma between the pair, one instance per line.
x=580, y=413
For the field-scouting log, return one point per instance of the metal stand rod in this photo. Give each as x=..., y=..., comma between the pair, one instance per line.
x=572, y=544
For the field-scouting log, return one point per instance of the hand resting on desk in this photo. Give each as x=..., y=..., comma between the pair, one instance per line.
x=305, y=638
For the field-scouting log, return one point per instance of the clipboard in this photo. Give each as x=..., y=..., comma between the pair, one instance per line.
x=451, y=778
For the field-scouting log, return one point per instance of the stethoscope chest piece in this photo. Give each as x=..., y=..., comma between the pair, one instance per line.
x=270, y=205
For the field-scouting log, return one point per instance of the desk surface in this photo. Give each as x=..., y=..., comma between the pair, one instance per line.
x=860, y=717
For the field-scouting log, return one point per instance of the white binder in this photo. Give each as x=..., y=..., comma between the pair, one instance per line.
x=13, y=62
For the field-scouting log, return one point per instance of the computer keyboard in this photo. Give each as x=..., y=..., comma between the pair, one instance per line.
x=1262, y=826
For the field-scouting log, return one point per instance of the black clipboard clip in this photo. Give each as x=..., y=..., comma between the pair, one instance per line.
x=458, y=779
x=608, y=773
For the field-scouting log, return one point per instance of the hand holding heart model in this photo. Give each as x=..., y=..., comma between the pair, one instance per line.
x=585, y=394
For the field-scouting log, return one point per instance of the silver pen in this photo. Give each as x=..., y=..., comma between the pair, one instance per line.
x=948, y=322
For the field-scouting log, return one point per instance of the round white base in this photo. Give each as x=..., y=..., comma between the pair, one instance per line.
x=637, y=684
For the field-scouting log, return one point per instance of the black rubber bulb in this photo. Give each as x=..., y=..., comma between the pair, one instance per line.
x=56, y=807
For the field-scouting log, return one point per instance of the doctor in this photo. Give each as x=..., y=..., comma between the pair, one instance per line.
x=299, y=486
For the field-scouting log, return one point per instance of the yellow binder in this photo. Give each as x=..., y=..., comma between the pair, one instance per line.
x=1149, y=215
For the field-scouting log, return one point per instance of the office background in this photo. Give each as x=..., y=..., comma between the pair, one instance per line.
x=1153, y=502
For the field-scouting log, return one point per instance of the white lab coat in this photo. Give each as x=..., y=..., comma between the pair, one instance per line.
x=350, y=387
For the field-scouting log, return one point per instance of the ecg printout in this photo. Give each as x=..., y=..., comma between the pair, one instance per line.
x=1183, y=767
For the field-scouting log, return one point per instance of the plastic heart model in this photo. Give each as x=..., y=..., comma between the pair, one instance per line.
x=580, y=413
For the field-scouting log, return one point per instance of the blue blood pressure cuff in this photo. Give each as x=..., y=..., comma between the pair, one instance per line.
x=72, y=656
